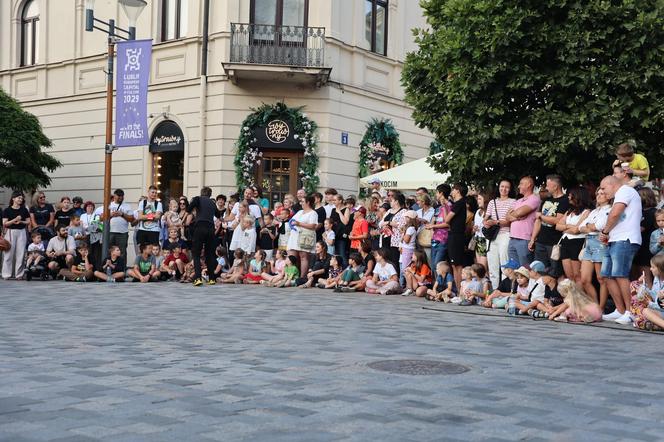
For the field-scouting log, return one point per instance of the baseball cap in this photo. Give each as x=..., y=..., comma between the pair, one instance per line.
x=550, y=271
x=362, y=210
x=374, y=180
x=511, y=264
x=537, y=266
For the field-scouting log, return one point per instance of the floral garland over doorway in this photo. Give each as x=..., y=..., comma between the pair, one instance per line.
x=380, y=147
x=248, y=156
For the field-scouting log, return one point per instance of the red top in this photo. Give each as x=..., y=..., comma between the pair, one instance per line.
x=172, y=258
x=360, y=227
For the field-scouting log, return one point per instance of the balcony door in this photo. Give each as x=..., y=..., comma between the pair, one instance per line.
x=284, y=22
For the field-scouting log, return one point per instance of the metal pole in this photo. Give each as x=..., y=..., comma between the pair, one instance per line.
x=108, y=154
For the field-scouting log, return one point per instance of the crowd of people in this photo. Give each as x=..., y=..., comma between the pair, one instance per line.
x=559, y=254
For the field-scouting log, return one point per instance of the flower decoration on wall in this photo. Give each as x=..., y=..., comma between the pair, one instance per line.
x=248, y=155
x=380, y=148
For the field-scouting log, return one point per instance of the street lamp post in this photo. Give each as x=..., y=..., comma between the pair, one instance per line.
x=132, y=9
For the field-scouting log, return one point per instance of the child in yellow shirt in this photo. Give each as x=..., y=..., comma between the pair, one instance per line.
x=631, y=162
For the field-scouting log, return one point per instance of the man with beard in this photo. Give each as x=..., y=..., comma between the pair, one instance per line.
x=61, y=250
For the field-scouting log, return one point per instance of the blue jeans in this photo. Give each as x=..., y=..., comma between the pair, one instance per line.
x=438, y=250
x=341, y=247
x=617, y=261
x=518, y=251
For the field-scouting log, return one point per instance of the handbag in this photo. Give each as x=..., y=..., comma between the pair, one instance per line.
x=5, y=245
x=424, y=238
x=555, y=251
x=583, y=250
x=490, y=233
x=306, y=239
x=472, y=244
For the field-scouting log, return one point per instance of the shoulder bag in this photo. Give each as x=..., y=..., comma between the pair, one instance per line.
x=490, y=233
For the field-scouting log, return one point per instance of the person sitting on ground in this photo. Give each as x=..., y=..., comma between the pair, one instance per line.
x=256, y=268
x=36, y=251
x=474, y=285
x=369, y=262
x=443, y=289
x=81, y=269
x=61, y=251
x=648, y=302
x=577, y=306
x=507, y=286
x=385, y=280
x=291, y=273
x=656, y=244
x=318, y=269
x=537, y=269
x=144, y=269
x=222, y=261
x=524, y=287
x=552, y=298
x=333, y=275
x=277, y=266
x=352, y=273
x=244, y=236
x=236, y=273
x=418, y=275
x=159, y=258
x=175, y=262
x=113, y=266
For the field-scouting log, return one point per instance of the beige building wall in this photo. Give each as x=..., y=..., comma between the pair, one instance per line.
x=66, y=90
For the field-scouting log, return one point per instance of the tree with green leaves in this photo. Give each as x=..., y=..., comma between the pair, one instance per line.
x=23, y=163
x=513, y=87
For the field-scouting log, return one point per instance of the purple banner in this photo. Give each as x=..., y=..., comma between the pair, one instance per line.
x=131, y=102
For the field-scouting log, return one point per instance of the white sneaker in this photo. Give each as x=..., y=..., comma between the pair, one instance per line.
x=624, y=319
x=611, y=316
x=407, y=292
x=456, y=300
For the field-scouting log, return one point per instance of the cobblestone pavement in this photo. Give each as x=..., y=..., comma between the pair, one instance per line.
x=88, y=362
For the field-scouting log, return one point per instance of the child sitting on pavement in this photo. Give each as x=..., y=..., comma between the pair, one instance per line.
x=577, y=306
x=144, y=269
x=175, y=262
x=35, y=251
x=291, y=273
x=536, y=293
x=552, y=299
x=418, y=275
x=334, y=274
x=276, y=272
x=507, y=286
x=81, y=269
x=222, y=261
x=352, y=273
x=470, y=287
x=236, y=273
x=113, y=267
x=256, y=268
x=443, y=289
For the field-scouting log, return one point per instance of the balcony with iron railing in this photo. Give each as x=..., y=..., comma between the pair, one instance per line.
x=282, y=53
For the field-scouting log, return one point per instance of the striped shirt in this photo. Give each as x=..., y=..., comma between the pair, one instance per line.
x=502, y=206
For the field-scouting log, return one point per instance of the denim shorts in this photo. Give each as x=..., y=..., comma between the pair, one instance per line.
x=618, y=259
x=595, y=250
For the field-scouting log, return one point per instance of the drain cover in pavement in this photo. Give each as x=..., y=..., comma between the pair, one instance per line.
x=418, y=367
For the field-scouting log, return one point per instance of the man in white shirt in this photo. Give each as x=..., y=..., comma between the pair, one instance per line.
x=149, y=216
x=330, y=194
x=61, y=250
x=622, y=233
x=121, y=216
x=254, y=208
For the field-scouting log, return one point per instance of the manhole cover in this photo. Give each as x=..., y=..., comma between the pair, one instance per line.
x=418, y=367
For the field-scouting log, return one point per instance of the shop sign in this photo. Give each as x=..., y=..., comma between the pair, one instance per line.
x=277, y=134
x=167, y=137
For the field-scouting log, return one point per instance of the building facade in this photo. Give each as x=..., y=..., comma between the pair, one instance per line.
x=340, y=59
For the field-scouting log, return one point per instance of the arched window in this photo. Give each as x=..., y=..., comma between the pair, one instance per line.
x=174, y=16
x=29, y=33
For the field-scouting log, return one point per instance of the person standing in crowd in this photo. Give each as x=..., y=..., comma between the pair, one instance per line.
x=622, y=233
x=425, y=215
x=419, y=192
x=545, y=235
x=64, y=213
x=78, y=205
x=591, y=261
x=375, y=184
x=302, y=239
x=42, y=216
x=148, y=216
x=15, y=219
x=330, y=195
x=456, y=219
x=322, y=214
x=262, y=202
x=371, y=204
x=572, y=239
x=121, y=215
x=341, y=220
x=360, y=230
x=496, y=215
x=254, y=208
x=648, y=226
x=203, y=233
x=300, y=195
x=440, y=228
x=522, y=221
x=398, y=226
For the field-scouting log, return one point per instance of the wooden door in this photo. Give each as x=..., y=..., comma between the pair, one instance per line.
x=278, y=175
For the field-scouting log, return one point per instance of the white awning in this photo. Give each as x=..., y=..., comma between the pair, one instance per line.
x=408, y=176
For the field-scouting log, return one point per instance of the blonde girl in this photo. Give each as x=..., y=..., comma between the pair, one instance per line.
x=276, y=273
x=577, y=306
x=236, y=273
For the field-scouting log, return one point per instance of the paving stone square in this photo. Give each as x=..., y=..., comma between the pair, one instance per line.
x=170, y=362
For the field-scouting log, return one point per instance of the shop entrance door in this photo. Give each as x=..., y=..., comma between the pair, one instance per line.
x=278, y=175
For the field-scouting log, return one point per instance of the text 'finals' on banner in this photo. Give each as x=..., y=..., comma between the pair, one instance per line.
x=131, y=102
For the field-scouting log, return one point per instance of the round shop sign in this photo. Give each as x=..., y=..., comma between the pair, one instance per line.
x=277, y=131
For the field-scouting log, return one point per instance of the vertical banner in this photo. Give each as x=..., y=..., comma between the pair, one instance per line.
x=131, y=101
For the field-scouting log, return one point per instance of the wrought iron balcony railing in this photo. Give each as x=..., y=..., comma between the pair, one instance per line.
x=277, y=45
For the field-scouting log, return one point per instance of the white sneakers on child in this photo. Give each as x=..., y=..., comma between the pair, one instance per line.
x=407, y=292
x=625, y=318
x=612, y=316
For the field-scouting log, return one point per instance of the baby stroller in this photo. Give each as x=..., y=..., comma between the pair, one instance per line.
x=36, y=272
